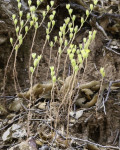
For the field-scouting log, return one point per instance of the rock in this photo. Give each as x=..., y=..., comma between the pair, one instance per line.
x=44, y=147
x=22, y=146
x=14, y=132
x=3, y=110
x=15, y=105
x=10, y=116
x=114, y=43
x=2, y=39
x=25, y=145
x=76, y=114
x=42, y=106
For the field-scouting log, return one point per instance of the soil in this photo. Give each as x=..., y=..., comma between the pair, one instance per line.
x=95, y=126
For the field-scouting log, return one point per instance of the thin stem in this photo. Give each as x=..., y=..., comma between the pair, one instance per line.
x=33, y=41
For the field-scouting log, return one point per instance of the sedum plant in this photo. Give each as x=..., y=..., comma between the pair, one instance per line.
x=76, y=54
x=21, y=25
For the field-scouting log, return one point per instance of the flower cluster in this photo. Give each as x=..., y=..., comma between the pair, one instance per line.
x=32, y=20
x=51, y=23
x=82, y=52
x=102, y=71
x=53, y=74
x=36, y=61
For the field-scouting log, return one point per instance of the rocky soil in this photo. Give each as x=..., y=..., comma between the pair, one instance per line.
x=92, y=129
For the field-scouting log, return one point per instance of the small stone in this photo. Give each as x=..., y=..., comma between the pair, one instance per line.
x=3, y=110
x=15, y=105
x=2, y=39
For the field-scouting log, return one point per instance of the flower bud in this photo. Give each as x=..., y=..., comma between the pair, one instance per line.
x=52, y=68
x=36, y=19
x=102, y=71
x=33, y=55
x=80, y=45
x=70, y=11
x=52, y=73
x=66, y=42
x=26, y=29
x=61, y=29
x=43, y=13
x=48, y=37
x=38, y=3
x=71, y=46
x=54, y=79
x=78, y=51
x=51, y=44
x=73, y=18
x=91, y=7
x=68, y=51
x=15, y=21
x=64, y=26
x=13, y=16
x=55, y=38
x=19, y=5
x=51, y=3
x=87, y=13
x=11, y=40
x=73, y=62
x=53, y=22
x=73, y=50
x=20, y=36
x=71, y=30
x=67, y=20
x=68, y=6
x=33, y=16
x=39, y=57
x=48, y=7
x=20, y=41
x=29, y=2
x=69, y=25
x=28, y=16
x=82, y=20
x=17, y=29
x=70, y=35
x=76, y=29
x=36, y=25
x=60, y=50
x=51, y=17
x=36, y=61
x=80, y=58
x=90, y=32
x=49, y=25
x=47, y=31
x=21, y=23
x=94, y=34
x=21, y=13
x=60, y=33
x=16, y=47
x=84, y=54
x=61, y=41
x=31, y=69
x=95, y=2
x=31, y=23
x=32, y=8
x=54, y=12
x=71, y=56
x=76, y=68
x=84, y=40
x=90, y=37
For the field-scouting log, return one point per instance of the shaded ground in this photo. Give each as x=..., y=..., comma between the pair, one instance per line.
x=92, y=126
